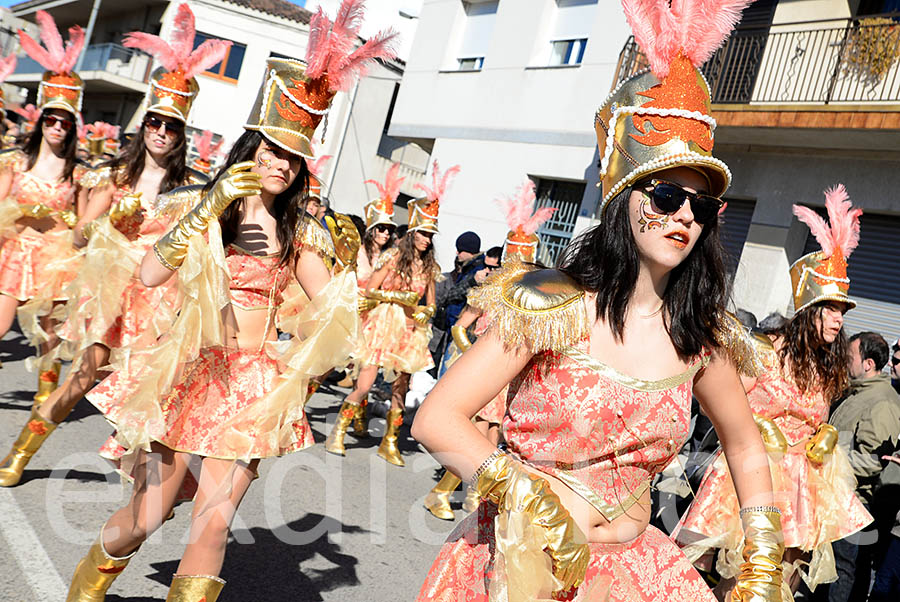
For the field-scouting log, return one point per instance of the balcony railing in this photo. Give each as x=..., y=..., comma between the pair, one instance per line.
x=112, y=58
x=849, y=61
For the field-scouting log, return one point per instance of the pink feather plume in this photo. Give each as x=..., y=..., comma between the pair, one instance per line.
x=54, y=56
x=29, y=112
x=519, y=209
x=206, y=149
x=330, y=48
x=317, y=165
x=179, y=53
x=390, y=190
x=440, y=182
x=7, y=66
x=693, y=28
x=843, y=233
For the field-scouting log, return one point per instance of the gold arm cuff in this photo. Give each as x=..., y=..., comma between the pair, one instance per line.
x=460, y=337
x=162, y=260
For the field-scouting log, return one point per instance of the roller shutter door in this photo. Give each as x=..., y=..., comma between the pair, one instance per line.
x=733, y=230
x=874, y=276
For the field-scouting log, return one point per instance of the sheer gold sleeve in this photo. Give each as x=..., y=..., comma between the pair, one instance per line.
x=748, y=351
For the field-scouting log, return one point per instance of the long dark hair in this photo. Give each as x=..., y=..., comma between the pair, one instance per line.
x=32, y=146
x=406, y=260
x=130, y=163
x=605, y=260
x=812, y=363
x=371, y=246
x=289, y=205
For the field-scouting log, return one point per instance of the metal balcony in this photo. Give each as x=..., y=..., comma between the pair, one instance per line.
x=109, y=64
x=839, y=61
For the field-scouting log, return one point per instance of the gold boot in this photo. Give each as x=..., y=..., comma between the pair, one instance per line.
x=95, y=573
x=195, y=588
x=361, y=420
x=470, y=504
x=335, y=441
x=388, y=449
x=438, y=499
x=48, y=381
x=33, y=435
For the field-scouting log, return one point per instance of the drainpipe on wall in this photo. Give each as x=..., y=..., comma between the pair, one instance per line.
x=88, y=33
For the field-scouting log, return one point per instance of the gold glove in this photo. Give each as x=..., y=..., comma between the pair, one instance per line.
x=36, y=211
x=772, y=437
x=69, y=218
x=235, y=183
x=346, y=239
x=127, y=206
x=760, y=578
x=422, y=315
x=364, y=304
x=821, y=444
x=87, y=230
x=407, y=298
x=507, y=484
x=460, y=337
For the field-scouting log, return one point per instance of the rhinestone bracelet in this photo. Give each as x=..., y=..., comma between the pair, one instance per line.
x=774, y=509
x=484, y=465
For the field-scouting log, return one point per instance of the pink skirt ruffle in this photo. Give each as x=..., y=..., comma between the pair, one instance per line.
x=33, y=263
x=216, y=389
x=393, y=342
x=648, y=568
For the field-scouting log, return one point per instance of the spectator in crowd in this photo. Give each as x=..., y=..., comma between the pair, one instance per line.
x=401, y=231
x=491, y=263
x=887, y=580
x=451, y=290
x=868, y=423
x=895, y=365
x=746, y=318
x=772, y=322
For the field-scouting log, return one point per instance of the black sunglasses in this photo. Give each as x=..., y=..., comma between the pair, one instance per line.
x=669, y=198
x=895, y=361
x=383, y=228
x=154, y=123
x=65, y=124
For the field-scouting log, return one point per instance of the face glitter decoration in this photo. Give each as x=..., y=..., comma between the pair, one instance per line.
x=264, y=159
x=650, y=220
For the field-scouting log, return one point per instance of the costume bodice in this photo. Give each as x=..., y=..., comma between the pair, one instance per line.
x=395, y=282
x=29, y=189
x=257, y=281
x=603, y=433
x=778, y=397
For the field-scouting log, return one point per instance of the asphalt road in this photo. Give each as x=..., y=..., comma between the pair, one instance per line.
x=312, y=527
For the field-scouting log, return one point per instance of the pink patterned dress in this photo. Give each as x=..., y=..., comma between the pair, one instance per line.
x=32, y=261
x=818, y=503
x=389, y=337
x=220, y=386
x=605, y=435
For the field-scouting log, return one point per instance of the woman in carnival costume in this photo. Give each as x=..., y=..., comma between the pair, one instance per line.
x=805, y=372
x=521, y=246
x=395, y=332
x=40, y=191
x=602, y=357
x=109, y=309
x=219, y=385
x=207, y=151
x=378, y=238
x=7, y=66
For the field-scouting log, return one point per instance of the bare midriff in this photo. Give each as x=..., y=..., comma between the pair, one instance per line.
x=248, y=329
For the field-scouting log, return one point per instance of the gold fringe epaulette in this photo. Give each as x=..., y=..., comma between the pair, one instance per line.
x=385, y=258
x=312, y=235
x=747, y=350
x=94, y=178
x=11, y=158
x=175, y=203
x=541, y=310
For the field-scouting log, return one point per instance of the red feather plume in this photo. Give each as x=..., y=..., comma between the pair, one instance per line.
x=7, y=66
x=54, y=56
x=519, y=209
x=440, y=182
x=390, y=190
x=843, y=233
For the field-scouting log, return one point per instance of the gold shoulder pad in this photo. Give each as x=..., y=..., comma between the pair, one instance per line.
x=314, y=236
x=539, y=309
x=746, y=349
x=194, y=177
x=11, y=158
x=385, y=258
x=94, y=178
x=175, y=203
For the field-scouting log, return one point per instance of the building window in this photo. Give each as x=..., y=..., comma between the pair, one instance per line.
x=480, y=17
x=568, y=40
x=471, y=64
x=556, y=233
x=229, y=69
x=568, y=52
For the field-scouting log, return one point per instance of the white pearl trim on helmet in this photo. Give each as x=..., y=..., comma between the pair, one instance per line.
x=808, y=270
x=521, y=244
